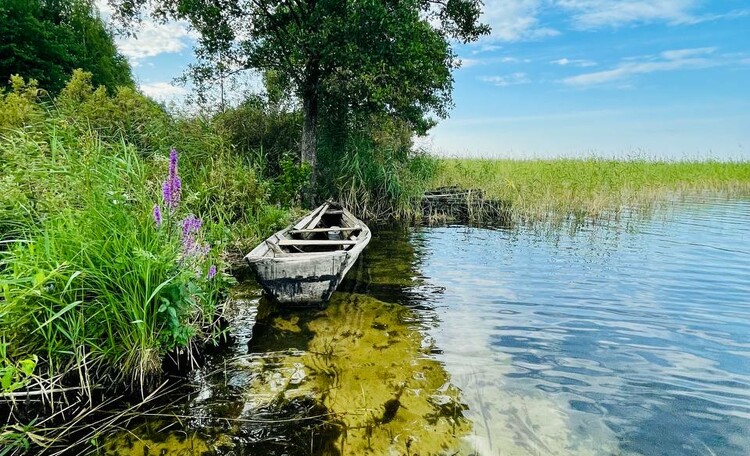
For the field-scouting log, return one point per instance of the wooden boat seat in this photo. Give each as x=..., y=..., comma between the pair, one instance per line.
x=324, y=230
x=311, y=242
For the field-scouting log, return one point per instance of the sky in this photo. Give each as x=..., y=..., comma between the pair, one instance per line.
x=660, y=79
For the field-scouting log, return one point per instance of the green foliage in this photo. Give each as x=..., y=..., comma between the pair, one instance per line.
x=19, y=108
x=93, y=284
x=88, y=282
x=291, y=183
x=341, y=59
x=373, y=169
x=46, y=40
x=14, y=376
x=262, y=131
x=127, y=115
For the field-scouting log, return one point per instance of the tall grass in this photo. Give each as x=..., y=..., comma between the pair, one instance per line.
x=95, y=291
x=547, y=189
x=92, y=285
x=375, y=172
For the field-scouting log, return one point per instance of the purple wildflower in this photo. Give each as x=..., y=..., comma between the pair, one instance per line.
x=172, y=187
x=212, y=272
x=173, y=163
x=190, y=227
x=157, y=215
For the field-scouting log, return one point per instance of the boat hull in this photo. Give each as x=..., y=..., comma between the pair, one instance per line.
x=308, y=268
x=303, y=280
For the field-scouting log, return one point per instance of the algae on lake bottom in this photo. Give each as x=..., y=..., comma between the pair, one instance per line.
x=367, y=365
x=360, y=361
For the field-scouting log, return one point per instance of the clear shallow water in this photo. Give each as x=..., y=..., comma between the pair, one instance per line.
x=625, y=338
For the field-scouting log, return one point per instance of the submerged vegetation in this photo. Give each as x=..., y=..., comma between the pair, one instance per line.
x=544, y=190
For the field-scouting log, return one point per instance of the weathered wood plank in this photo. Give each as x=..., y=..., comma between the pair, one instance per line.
x=317, y=218
x=324, y=230
x=306, y=219
x=294, y=242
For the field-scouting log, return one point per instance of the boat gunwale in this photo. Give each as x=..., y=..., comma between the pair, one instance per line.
x=269, y=253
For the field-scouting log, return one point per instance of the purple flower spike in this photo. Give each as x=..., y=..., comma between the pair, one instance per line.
x=173, y=158
x=172, y=187
x=212, y=272
x=190, y=225
x=157, y=215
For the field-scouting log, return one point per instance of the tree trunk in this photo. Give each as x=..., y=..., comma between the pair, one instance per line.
x=310, y=108
x=309, y=146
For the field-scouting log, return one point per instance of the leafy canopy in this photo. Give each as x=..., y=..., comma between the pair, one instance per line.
x=46, y=40
x=364, y=56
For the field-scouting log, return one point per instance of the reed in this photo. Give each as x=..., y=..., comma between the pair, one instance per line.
x=377, y=179
x=535, y=190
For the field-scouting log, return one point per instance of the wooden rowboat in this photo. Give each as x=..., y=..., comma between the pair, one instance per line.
x=305, y=262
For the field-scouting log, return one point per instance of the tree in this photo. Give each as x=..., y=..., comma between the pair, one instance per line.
x=47, y=39
x=363, y=56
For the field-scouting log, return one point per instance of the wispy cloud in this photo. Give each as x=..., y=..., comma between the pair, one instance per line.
x=679, y=54
x=593, y=14
x=574, y=62
x=468, y=62
x=163, y=91
x=486, y=48
x=667, y=61
x=515, y=20
x=507, y=80
x=150, y=38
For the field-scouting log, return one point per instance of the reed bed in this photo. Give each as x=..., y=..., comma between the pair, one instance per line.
x=550, y=190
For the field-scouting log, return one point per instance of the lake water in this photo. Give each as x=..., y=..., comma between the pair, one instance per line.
x=627, y=337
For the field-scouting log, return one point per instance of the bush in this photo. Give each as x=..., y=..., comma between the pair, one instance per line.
x=263, y=133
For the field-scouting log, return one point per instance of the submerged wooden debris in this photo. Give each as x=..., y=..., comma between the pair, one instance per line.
x=460, y=205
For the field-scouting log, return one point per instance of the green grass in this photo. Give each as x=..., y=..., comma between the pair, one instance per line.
x=549, y=189
x=94, y=295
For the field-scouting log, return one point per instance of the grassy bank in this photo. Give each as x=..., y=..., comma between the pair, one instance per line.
x=554, y=189
x=115, y=221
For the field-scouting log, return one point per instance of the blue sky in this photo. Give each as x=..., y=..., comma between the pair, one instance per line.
x=613, y=78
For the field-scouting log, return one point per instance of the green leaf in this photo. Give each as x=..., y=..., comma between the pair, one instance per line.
x=58, y=315
x=28, y=365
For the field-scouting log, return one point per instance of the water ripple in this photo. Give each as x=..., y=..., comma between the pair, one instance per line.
x=626, y=338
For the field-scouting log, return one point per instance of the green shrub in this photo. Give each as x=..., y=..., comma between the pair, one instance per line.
x=263, y=132
x=19, y=108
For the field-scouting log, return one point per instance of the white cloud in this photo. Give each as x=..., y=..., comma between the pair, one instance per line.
x=574, y=62
x=678, y=54
x=468, y=62
x=508, y=80
x=150, y=38
x=486, y=48
x=669, y=61
x=163, y=91
x=593, y=14
x=514, y=20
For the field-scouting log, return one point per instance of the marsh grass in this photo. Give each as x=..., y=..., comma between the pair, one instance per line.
x=379, y=180
x=554, y=190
